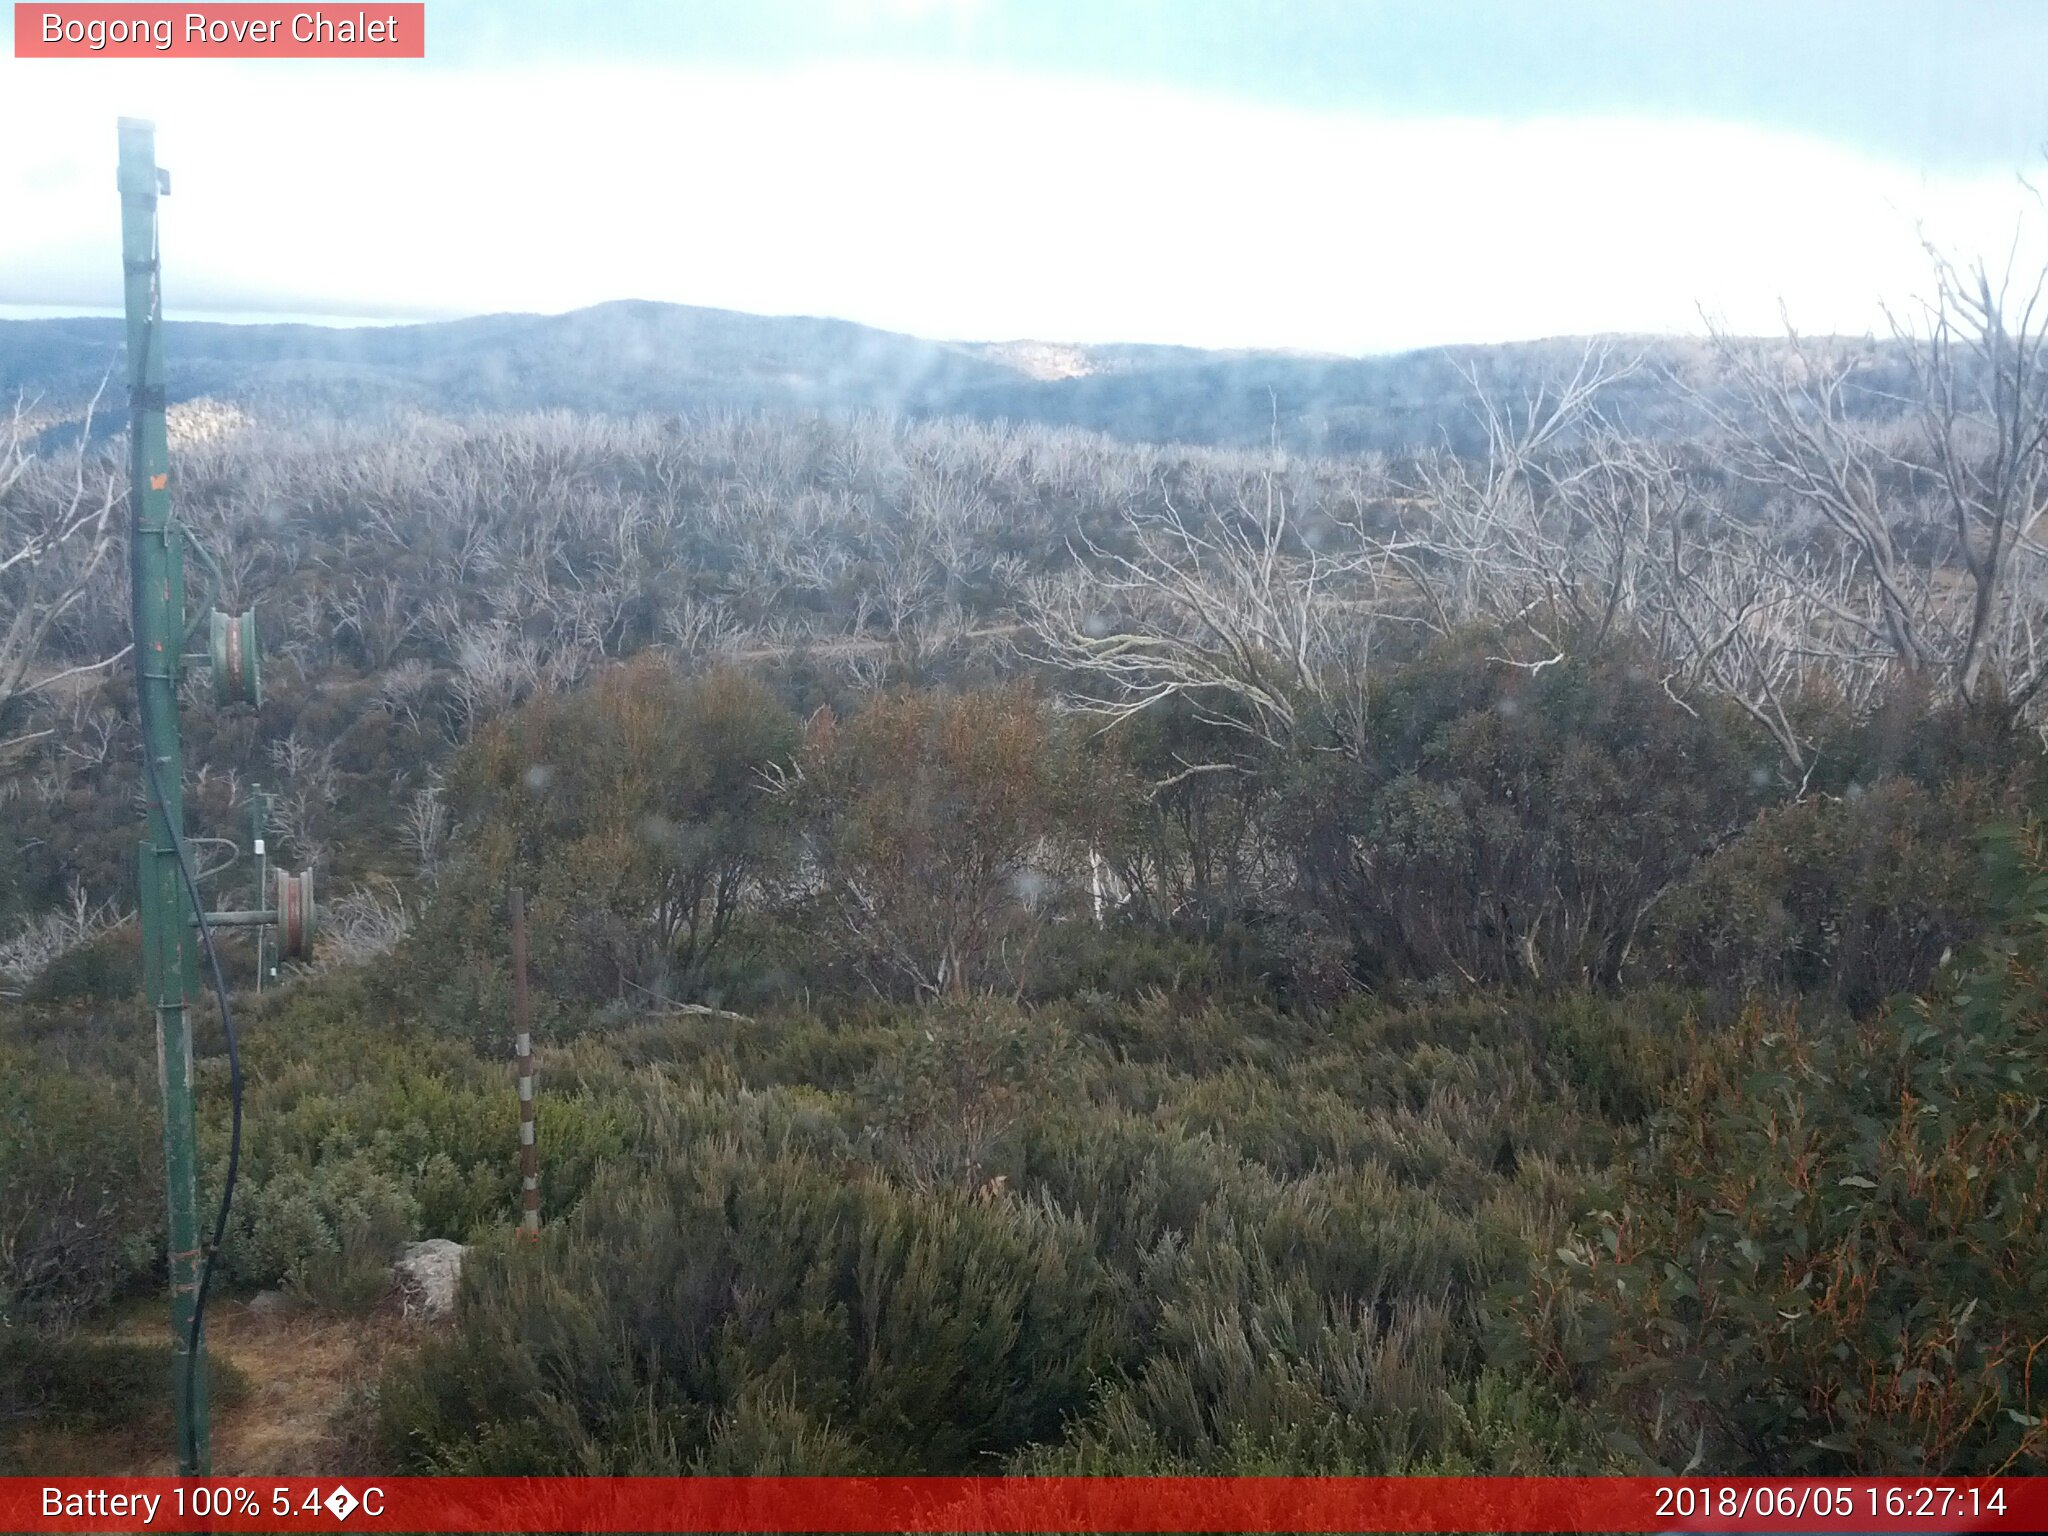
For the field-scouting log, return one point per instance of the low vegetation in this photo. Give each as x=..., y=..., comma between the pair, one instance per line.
x=1056, y=956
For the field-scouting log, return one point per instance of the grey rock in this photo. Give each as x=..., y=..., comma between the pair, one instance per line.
x=269, y=1304
x=426, y=1275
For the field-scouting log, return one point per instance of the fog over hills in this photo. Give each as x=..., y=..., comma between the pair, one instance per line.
x=633, y=356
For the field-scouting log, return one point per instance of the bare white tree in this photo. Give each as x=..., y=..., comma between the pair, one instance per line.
x=381, y=615
x=402, y=690
x=50, y=936
x=307, y=791
x=1800, y=425
x=1544, y=530
x=57, y=530
x=1981, y=405
x=1244, y=610
x=423, y=830
x=495, y=666
x=695, y=630
x=362, y=924
x=1927, y=495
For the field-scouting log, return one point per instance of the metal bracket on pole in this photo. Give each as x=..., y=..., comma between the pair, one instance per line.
x=291, y=913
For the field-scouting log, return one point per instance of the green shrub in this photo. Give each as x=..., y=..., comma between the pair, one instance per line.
x=873, y=1237
x=327, y=1232
x=930, y=1330
x=635, y=814
x=1912, y=734
x=1622, y=1055
x=1350, y=1168
x=1503, y=826
x=948, y=1109
x=1192, y=853
x=942, y=830
x=1831, y=1256
x=109, y=969
x=359, y=1137
x=81, y=1191
x=1858, y=896
x=92, y=1386
x=1122, y=959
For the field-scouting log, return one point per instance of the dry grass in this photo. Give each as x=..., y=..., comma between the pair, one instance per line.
x=308, y=1373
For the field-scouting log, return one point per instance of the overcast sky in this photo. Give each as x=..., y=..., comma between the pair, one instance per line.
x=1345, y=177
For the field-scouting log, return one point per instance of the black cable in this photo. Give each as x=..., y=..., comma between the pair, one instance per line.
x=220, y=985
x=227, y=1193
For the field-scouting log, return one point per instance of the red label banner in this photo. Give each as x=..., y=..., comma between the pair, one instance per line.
x=1053, y=1504
x=240, y=31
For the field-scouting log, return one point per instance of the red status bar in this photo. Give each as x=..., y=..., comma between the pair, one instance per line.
x=1052, y=1504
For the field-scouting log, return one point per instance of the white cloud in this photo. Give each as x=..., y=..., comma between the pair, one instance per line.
x=954, y=204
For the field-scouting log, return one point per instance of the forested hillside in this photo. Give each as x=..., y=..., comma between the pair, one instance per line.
x=1515, y=953
x=670, y=358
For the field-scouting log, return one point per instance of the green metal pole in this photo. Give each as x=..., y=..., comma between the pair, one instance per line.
x=157, y=564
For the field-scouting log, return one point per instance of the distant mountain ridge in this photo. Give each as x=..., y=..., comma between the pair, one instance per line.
x=639, y=356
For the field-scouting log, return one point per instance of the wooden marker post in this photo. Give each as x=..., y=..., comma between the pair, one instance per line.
x=522, y=1022
x=259, y=832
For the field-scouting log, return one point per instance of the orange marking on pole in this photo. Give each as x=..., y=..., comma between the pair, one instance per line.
x=158, y=482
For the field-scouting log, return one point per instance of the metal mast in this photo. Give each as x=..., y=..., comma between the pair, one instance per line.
x=157, y=560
